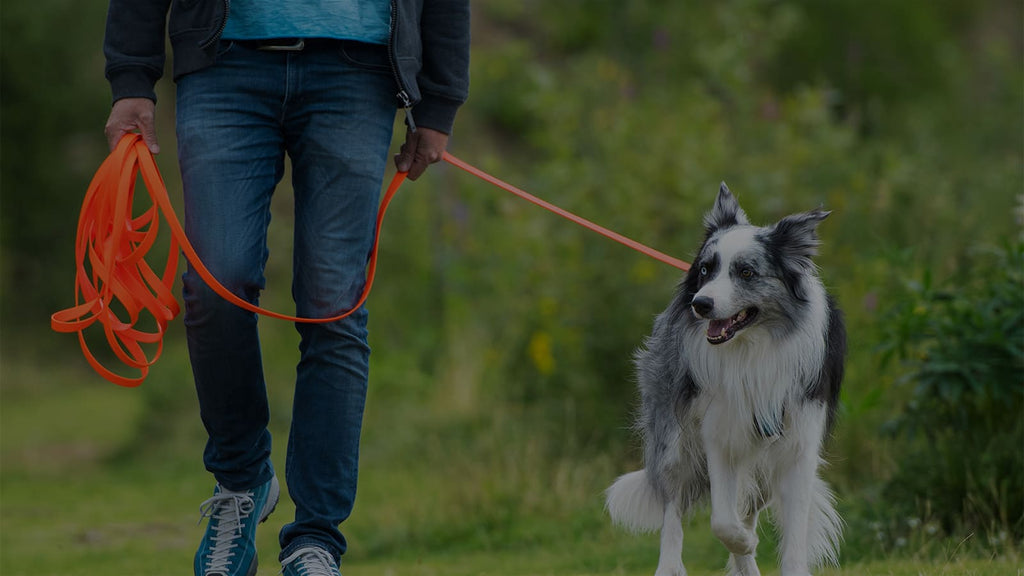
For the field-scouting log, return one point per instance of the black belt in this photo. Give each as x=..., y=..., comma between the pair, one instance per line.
x=287, y=44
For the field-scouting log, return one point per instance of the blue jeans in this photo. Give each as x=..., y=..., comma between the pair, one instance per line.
x=331, y=108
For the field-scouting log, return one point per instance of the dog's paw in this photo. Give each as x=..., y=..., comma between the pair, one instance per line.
x=736, y=538
x=670, y=568
x=743, y=566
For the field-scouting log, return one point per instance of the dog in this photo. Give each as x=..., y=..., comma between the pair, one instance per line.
x=739, y=383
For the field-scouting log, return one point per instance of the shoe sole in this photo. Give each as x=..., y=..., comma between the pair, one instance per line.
x=273, y=496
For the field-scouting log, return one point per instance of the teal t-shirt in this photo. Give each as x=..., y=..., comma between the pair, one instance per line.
x=362, y=20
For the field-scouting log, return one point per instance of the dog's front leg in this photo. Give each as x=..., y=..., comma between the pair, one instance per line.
x=795, y=485
x=670, y=559
x=795, y=493
x=746, y=565
x=725, y=477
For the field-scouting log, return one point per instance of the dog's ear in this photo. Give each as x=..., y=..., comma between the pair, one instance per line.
x=726, y=213
x=796, y=237
x=794, y=242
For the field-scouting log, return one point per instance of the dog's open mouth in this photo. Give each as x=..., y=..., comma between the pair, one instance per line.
x=723, y=330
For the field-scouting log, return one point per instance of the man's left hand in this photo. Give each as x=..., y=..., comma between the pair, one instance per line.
x=421, y=149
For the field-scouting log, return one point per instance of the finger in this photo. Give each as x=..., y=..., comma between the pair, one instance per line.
x=115, y=131
x=418, y=167
x=148, y=131
x=424, y=157
x=407, y=153
x=430, y=151
x=145, y=123
x=113, y=137
x=403, y=161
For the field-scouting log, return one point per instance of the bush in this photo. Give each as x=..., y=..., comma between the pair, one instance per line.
x=961, y=433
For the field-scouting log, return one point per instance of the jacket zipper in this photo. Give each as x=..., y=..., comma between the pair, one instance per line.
x=220, y=29
x=403, y=96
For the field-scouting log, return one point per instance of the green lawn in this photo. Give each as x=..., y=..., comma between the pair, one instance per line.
x=101, y=522
x=74, y=502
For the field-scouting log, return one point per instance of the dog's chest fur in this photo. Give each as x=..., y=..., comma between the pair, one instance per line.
x=752, y=389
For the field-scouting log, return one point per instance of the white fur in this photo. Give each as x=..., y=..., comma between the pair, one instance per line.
x=632, y=503
x=756, y=376
x=670, y=556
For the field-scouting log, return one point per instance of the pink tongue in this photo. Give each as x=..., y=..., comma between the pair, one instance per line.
x=717, y=328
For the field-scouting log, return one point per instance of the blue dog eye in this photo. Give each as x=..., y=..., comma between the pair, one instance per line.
x=703, y=270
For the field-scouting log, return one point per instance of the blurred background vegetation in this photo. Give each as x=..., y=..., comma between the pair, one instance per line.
x=501, y=376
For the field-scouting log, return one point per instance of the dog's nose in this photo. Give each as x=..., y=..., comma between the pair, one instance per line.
x=703, y=305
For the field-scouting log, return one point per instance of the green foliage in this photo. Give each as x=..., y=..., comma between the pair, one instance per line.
x=870, y=52
x=53, y=106
x=961, y=430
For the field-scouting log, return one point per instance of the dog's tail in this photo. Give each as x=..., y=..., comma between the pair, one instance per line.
x=825, y=530
x=634, y=504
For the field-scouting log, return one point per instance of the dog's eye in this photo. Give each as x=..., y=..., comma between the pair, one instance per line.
x=703, y=270
x=747, y=273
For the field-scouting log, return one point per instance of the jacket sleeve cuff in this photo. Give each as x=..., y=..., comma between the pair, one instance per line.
x=436, y=113
x=131, y=82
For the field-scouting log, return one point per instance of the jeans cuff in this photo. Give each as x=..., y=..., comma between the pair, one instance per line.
x=266, y=473
x=306, y=541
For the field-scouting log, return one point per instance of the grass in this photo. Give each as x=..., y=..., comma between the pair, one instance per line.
x=79, y=496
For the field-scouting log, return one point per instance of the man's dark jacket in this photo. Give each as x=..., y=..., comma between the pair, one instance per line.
x=429, y=47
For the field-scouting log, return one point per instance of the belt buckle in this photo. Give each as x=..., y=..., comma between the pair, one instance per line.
x=297, y=46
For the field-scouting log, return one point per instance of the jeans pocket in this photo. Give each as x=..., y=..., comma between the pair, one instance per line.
x=371, y=57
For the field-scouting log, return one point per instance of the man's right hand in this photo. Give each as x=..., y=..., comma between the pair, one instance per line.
x=132, y=114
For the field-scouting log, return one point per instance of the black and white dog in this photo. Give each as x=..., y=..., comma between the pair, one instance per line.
x=739, y=383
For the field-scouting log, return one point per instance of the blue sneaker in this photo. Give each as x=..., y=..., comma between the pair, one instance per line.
x=229, y=545
x=310, y=561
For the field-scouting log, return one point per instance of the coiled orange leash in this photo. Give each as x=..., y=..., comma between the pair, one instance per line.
x=110, y=251
x=116, y=287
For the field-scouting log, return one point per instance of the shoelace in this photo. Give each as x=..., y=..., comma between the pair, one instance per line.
x=311, y=561
x=229, y=509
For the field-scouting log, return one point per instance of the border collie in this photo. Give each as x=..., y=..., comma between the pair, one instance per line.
x=739, y=382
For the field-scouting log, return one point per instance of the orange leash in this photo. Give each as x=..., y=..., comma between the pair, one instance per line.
x=660, y=256
x=111, y=268
x=113, y=244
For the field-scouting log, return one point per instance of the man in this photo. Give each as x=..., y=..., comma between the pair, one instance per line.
x=319, y=81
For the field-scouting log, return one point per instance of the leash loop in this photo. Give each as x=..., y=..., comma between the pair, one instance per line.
x=110, y=252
